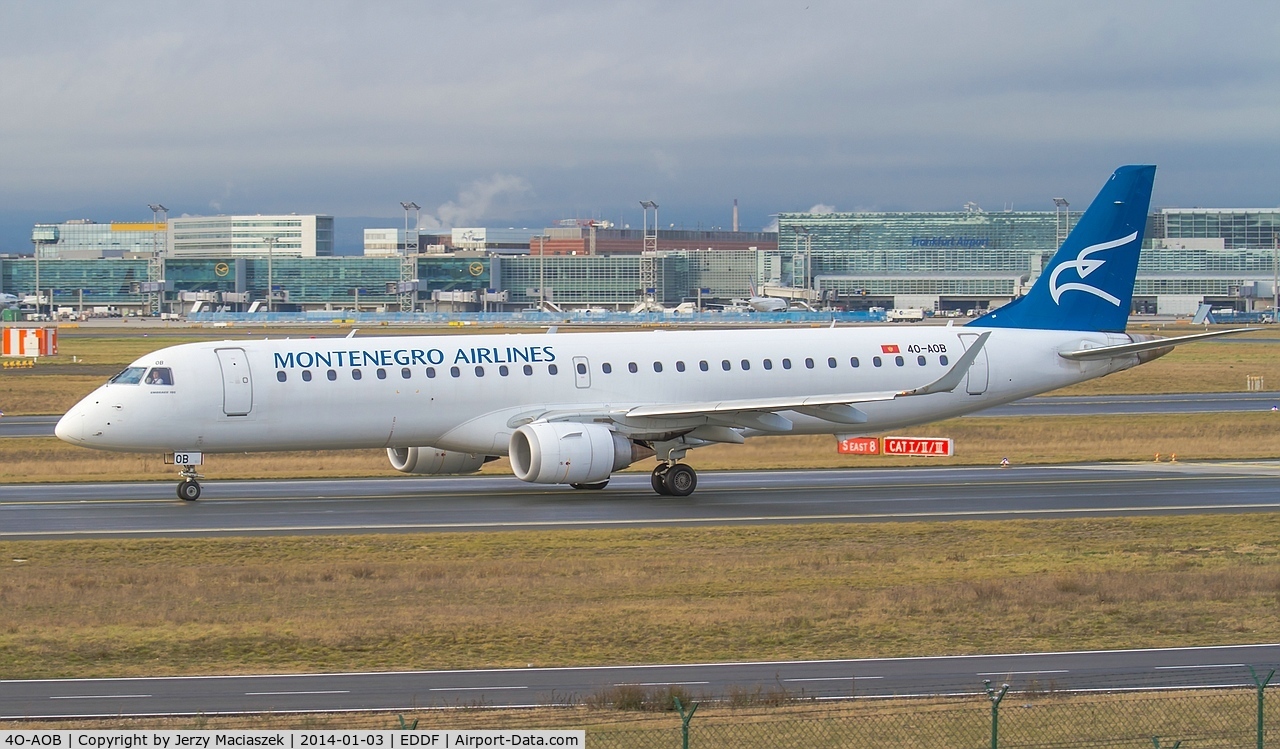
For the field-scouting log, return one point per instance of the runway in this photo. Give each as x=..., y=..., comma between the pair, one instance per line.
x=523, y=687
x=502, y=503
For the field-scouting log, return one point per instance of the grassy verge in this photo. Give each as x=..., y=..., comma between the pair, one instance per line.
x=310, y=604
x=978, y=442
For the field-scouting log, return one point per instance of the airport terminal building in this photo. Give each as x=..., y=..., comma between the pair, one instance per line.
x=949, y=261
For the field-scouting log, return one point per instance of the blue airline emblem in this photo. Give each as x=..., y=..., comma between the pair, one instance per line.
x=1084, y=265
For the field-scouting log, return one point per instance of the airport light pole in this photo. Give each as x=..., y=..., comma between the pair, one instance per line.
x=410, y=206
x=35, y=251
x=1275, y=276
x=271, y=247
x=542, y=273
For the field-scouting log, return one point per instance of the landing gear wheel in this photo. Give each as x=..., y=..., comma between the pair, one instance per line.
x=189, y=490
x=592, y=487
x=658, y=479
x=680, y=480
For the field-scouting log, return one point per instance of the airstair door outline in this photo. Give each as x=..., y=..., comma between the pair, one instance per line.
x=581, y=372
x=976, y=380
x=237, y=382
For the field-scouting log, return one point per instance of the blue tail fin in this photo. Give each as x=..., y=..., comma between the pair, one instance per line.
x=1088, y=285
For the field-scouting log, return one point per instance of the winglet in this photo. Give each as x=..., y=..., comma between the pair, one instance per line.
x=951, y=379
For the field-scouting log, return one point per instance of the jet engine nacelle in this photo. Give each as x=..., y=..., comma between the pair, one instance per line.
x=561, y=452
x=429, y=460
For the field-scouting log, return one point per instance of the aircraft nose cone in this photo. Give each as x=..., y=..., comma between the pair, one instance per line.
x=70, y=427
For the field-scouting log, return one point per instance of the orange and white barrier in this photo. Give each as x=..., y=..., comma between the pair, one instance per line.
x=29, y=342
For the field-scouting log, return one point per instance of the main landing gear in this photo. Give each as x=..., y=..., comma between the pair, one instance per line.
x=189, y=487
x=674, y=479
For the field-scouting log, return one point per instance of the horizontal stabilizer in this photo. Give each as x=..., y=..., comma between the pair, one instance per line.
x=1126, y=349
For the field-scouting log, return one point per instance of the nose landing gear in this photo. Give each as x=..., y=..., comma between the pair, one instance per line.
x=674, y=479
x=189, y=487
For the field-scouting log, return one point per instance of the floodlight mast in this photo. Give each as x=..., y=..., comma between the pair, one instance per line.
x=155, y=267
x=411, y=248
x=271, y=247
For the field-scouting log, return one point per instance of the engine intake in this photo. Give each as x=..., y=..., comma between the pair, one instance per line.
x=560, y=452
x=432, y=460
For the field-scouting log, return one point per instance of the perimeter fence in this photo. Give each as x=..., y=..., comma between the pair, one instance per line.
x=668, y=718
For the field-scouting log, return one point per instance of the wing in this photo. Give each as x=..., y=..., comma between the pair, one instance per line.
x=756, y=413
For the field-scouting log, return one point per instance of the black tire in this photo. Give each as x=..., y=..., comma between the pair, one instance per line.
x=680, y=480
x=189, y=491
x=592, y=487
x=658, y=480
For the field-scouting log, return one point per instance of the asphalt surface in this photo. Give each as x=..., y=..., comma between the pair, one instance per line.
x=833, y=679
x=502, y=503
x=28, y=426
x=1044, y=405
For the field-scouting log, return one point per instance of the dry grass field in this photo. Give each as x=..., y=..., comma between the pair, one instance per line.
x=310, y=604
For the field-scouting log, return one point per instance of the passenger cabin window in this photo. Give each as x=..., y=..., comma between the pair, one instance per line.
x=786, y=364
x=768, y=363
x=553, y=369
x=131, y=376
x=504, y=370
x=356, y=374
x=582, y=368
x=657, y=366
x=479, y=371
x=920, y=360
x=876, y=361
x=632, y=368
x=382, y=373
x=703, y=366
x=332, y=375
x=746, y=365
x=679, y=366
x=281, y=376
x=431, y=373
x=831, y=362
x=455, y=372
x=406, y=373
x=607, y=368
x=725, y=365
x=853, y=362
x=306, y=375
x=899, y=361
x=808, y=363
x=528, y=370
x=942, y=360
x=162, y=376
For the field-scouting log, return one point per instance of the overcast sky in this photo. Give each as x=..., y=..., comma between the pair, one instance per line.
x=520, y=113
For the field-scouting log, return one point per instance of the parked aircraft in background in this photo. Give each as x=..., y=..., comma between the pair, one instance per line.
x=8, y=300
x=574, y=408
x=757, y=303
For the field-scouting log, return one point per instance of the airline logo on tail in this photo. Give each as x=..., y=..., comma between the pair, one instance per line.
x=1085, y=265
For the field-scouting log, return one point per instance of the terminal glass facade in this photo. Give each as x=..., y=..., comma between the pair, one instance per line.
x=594, y=279
x=85, y=240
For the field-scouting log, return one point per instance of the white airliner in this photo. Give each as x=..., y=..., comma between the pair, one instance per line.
x=8, y=300
x=574, y=408
x=759, y=303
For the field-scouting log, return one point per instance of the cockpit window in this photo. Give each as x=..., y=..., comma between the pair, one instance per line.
x=160, y=376
x=131, y=376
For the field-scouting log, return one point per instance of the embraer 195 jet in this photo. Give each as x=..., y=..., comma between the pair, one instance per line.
x=572, y=409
